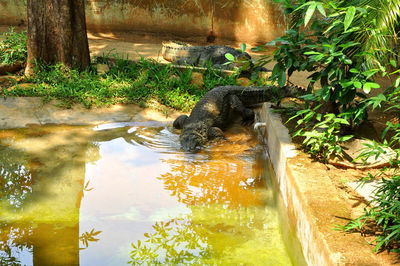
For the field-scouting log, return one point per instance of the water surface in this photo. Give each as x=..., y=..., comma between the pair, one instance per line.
x=123, y=193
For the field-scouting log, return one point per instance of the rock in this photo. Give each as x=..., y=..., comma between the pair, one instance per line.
x=353, y=148
x=264, y=75
x=366, y=189
x=197, y=79
x=243, y=82
x=291, y=103
x=102, y=69
x=9, y=79
x=10, y=68
x=174, y=78
x=26, y=86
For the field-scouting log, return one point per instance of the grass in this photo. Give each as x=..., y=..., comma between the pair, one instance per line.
x=137, y=82
x=14, y=47
x=126, y=82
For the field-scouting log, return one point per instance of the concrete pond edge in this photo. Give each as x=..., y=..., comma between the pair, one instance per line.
x=21, y=112
x=313, y=206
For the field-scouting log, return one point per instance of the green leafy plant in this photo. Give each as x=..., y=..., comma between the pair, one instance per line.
x=383, y=218
x=321, y=40
x=14, y=47
x=322, y=138
x=325, y=50
x=336, y=45
x=242, y=63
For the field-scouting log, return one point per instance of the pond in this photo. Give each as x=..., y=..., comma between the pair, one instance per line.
x=125, y=193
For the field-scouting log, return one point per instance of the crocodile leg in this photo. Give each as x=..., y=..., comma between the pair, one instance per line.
x=180, y=121
x=215, y=133
x=237, y=105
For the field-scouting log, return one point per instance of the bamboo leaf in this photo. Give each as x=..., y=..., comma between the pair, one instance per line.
x=309, y=13
x=321, y=9
x=351, y=11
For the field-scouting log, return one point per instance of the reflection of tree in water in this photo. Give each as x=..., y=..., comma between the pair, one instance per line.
x=42, y=172
x=13, y=237
x=30, y=177
x=219, y=188
x=209, y=235
x=173, y=242
x=216, y=181
x=15, y=177
x=15, y=187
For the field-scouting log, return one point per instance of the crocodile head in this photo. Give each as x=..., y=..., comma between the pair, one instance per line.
x=193, y=136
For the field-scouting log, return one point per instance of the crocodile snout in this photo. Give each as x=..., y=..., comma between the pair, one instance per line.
x=190, y=143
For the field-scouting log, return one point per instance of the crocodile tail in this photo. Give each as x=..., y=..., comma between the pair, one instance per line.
x=173, y=51
x=292, y=90
x=254, y=95
x=170, y=49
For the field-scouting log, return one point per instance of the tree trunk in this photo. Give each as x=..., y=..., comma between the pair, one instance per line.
x=57, y=33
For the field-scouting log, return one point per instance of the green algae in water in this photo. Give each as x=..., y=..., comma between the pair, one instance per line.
x=74, y=195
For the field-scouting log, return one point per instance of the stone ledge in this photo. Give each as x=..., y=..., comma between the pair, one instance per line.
x=313, y=206
x=20, y=112
x=366, y=189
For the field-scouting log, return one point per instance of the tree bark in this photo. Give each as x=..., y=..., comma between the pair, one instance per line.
x=57, y=33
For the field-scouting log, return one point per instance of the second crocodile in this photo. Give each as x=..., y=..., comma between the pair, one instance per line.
x=185, y=54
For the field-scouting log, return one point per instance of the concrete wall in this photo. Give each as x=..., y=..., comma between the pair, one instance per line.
x=242, y=20
x=313, y=203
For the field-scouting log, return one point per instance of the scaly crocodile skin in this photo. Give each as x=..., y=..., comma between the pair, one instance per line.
x=212, y=113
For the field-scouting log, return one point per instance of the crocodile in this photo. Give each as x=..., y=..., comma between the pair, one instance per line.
x=184, y=54
x=212, y=113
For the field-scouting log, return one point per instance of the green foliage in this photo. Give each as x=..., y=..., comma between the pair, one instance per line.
x=242, y=64
x=322, y=43
x=388, y=101
x=87, y=237
x=126, y=82
x=374, y=24
x=382, y=219
x=323, y=137
x=326, y=44
x=377, y=30
x=385, y=213
x=325, y=49
x=14, y=47
x=339, y=46
x=175, y=242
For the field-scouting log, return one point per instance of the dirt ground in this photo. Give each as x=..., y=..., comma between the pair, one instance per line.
x=136, y=44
